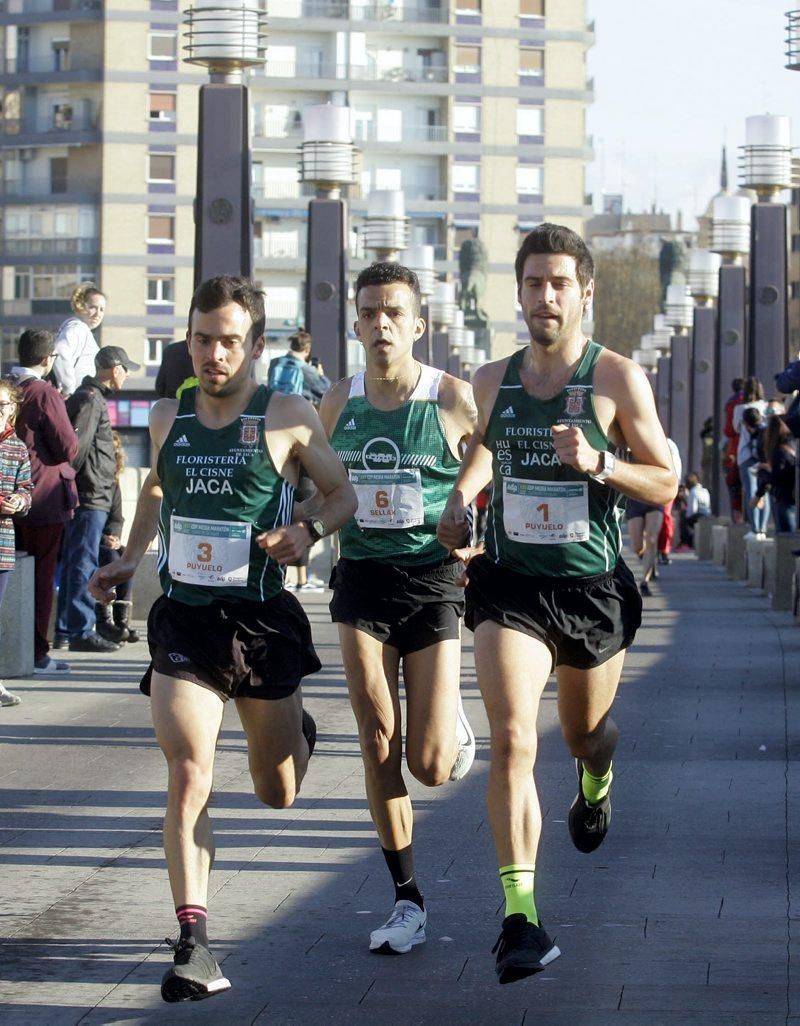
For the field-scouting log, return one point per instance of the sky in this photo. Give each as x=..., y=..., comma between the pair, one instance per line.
x=674, y=81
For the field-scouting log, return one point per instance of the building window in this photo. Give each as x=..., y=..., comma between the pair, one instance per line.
x=466, y=177
x=283, y=303
x=160, y=167
x=162, y=46
x=531, y=60
x=531, y=8
x=468, y=59
x=154, y=346
x=466, y=117
x=162, y=106
x=529, y=181
x=161, y=290
x=468, y=6
x=529, y=121
x=160, y=228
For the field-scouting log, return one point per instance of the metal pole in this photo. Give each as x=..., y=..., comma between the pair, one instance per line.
x=768, y=348
x=326, y=284
x=440, y=350
x=702, y=382
x=680, y=393
x=662, y=392
x=728, y=364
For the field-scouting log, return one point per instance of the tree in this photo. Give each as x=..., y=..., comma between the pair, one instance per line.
x=627, y=297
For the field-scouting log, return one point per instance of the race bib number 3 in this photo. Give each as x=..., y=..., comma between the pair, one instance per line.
x=388, y=498
x=545, y=512
x=209, y=552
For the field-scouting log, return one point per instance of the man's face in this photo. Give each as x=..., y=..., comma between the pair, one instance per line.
x=387, y=325
x=222, y=349
x=551, y=298
x=118, y=376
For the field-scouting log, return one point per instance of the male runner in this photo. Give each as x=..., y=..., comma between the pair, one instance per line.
x=220, y=493
x=551, y=589
x=398, y=427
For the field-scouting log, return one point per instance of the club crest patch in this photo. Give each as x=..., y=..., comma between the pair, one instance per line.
x=575, y=403
x=249, y=435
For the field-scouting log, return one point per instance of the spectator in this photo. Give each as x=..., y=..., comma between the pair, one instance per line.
x=95, y=467
x=730, y=466
x=176, y=368
x=644, y=523
x=746, y=456
x=751, y=464
x=76, y=346
x=698, y=504
x=45, y=428
x=113, y=620
x=778, y=480
x=15, y=494
x=296, y=372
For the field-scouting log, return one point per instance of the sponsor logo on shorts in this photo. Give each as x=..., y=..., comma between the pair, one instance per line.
x=508, y=412
x=183, y=443
x=178, y=657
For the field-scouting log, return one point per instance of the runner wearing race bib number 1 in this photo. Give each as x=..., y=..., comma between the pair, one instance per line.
x=398, y=427
x=551, y=591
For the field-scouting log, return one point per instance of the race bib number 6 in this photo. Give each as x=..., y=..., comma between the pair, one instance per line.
x=209, y=552
x=388, y=499
x=545, y=512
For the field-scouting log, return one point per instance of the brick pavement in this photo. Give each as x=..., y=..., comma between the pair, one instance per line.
x=685, y=916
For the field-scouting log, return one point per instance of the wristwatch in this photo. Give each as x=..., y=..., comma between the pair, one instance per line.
x=315, y=527
x=608, y=467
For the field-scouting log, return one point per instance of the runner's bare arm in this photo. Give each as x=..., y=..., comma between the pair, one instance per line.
x=145, y=522
x=650, y=477
x=330, y=409
x=458, y=411
x=476, y=467
x=300, y=436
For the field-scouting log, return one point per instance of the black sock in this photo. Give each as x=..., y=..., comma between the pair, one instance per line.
x=193, y=921
x=401, y=866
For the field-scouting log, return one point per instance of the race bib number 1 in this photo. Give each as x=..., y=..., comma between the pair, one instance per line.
x=209, y=552
x=545, y=512
x=388, y=498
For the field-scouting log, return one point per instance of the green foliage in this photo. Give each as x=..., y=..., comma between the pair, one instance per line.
x=627, y=297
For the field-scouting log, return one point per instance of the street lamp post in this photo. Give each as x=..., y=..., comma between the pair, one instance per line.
x=386, y=224
x=327, y=161
x=226, y=37
x=420, y=260
x=703, y=280
x=443, y=315
x=679, y=314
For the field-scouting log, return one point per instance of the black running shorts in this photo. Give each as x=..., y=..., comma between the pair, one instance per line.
x=240, y=649
x=409, y=609
x=583, y=621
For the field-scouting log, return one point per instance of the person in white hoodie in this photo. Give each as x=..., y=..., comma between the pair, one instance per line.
x=76, y=346
x=698, y=504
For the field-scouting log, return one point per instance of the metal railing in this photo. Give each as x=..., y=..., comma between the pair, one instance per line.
x=361, y=73
x=56, y=123
x=44, y=187
x=50, y=6
x=46, y=247
x=370, y=132
x=359, y=10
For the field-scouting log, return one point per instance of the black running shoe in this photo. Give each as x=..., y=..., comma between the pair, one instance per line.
x=588, y=823
x=309, y=731
x=522, y=949
x=644, y=589
x=195, y=974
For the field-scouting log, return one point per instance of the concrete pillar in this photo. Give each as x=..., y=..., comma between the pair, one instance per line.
x=16, y=621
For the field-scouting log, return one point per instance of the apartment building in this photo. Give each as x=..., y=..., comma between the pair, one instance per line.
x=475, y=109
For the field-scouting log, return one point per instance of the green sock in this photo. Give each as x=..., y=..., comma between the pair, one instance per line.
x=595, y=788
x=517, y=884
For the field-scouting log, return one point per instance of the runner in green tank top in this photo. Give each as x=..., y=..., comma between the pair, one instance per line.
x=220, y=493
x=398, y=427
x=551, y=590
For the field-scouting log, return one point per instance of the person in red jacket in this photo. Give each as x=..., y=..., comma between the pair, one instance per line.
x=45, y=428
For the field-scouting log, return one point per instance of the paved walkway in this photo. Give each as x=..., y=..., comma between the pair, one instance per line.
x=685, y=916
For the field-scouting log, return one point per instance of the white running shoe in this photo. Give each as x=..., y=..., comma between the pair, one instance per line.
x=465, y=739
x=404, y=928
x=7, y=698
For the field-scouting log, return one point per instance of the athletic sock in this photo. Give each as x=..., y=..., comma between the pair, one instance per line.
x=595, y=788
x=193, y=921
x=401, y=866
x=517, y=884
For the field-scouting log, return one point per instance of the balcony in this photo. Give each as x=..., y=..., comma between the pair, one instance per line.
x=58, y=123
x=44, y=188
x=358, y=10
x=49, y=247
x=368, y=132
x=317, y=71
x=60, y=7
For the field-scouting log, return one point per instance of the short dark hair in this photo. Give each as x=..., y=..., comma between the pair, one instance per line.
x=300, y=341
x=224, y=289
x=556, y=238
x=737, y=384
x=390, y=274
x=752, y=416
x=34, y=346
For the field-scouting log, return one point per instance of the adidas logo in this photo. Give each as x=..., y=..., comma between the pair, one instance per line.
x=350, y=425
x=508, y=412
x=183, y=442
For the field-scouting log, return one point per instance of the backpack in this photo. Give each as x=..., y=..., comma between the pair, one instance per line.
x=286, y=375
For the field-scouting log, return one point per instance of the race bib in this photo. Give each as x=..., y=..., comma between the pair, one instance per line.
x=388, y=498
x=209, y=552
x=545, y=512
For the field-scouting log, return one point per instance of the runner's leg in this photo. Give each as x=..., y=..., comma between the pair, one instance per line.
x=585, y=698
x=652, y=525
x=277, y=751
x=432, y=677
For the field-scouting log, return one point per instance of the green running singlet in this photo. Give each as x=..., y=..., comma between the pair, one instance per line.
x=402, y=469
x=546, y=519
x=221, y=490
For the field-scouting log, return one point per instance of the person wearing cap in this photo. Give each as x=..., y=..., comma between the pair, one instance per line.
x=95, y=471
